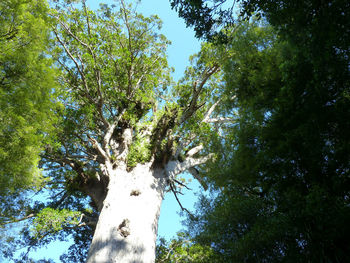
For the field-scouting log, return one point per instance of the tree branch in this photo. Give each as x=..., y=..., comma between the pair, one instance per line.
x=98, y=147
x=208, y=119
x=97, y=72
x=194, y=150
x=183, y=143
x=178, y=182
x=197, y=89
x=15, y=220
x=131, y=67
x=72, y=58
x=191, y=162
x=174, y=168
x=66, y=28
x=220, y=120
x=110, y=131
x=178, y=201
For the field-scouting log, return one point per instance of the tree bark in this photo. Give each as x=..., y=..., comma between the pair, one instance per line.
x=127, y=226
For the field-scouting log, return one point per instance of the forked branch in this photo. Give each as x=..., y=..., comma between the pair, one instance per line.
x=208, y=119
x=172, y=187
x=198, y=86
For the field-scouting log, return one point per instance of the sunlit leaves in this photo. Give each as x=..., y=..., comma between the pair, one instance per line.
x=122, y=59
x=49, y=221
x=182, y=250
x=26, y=88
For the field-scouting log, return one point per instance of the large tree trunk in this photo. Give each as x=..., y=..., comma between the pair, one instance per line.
x=127, y=226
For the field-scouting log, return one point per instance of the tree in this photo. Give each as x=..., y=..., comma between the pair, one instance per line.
x=282, y=188
x=27, y=84
x=125, y=132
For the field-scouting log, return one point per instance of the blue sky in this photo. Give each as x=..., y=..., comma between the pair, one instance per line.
x=183, y=45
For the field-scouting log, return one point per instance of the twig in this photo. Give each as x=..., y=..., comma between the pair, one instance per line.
x=18, y=220
x=178, y=201
x=178, y=182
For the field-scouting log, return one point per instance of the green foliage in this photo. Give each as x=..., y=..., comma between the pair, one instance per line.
x=206, y=16
x=112, y=71
x=281, y=180
x=27, y=82
x=280, y=175
x=182, y=250
x=117, y=65
x=49, y=221
x=140, y=150
x=120, y=66
x=210, y=18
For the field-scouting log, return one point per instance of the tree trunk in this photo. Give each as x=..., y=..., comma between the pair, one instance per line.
x=127, y=226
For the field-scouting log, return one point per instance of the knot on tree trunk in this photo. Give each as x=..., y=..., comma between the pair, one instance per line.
x=124, y=228
x=135, y=192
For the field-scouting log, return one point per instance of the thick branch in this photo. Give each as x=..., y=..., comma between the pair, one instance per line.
x=196, y=175
x=194, y=150
x=110, y=131
x=98, y=147
x=208, y=119
x=197, y=89
x=219, y=120
x=124, y=146
x=191, y=162
x=210, y=111
x=174, y=168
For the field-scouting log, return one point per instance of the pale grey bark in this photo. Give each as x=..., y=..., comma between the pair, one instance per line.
x=127, y=227
x=208, y=119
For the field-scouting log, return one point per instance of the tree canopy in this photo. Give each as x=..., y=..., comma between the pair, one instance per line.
x=27, y=91
x=26, y=87
x=117, y=113
x=259, y=118
x=208, y=17
x=283, y=196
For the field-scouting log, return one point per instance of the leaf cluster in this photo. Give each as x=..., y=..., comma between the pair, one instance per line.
x=182, y=250
x=49, y=221
x=27, y=82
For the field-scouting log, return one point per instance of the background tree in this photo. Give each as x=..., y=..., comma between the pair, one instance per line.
x=124, y=135
x=27, y=83
x=284, y=193
x=208, y=17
